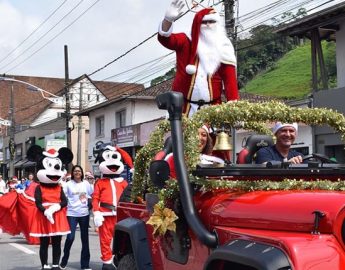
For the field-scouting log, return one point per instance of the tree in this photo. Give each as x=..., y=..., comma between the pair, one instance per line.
x=170, y=74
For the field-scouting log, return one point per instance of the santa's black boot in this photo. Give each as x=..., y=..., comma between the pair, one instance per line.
x=108, y=266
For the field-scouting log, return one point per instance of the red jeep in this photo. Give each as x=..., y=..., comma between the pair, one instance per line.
x=298, y=225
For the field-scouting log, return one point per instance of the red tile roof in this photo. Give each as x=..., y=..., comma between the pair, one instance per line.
x=29, y=105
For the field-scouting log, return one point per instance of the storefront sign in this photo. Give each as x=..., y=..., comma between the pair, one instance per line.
x=126, y=136
x=55, y=144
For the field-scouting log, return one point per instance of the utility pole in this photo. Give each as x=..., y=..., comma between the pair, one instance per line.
x=11, y=144
x=68, y=105
x=229, y=11
x=80, y=124
x=229, y=19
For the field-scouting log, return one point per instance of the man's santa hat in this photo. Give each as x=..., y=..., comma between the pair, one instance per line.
x=207, y=14
x=280, y=125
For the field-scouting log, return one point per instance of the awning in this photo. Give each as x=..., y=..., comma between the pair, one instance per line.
x=14, y=162
x=24, y=163
x=29, y=164
x=20, y=163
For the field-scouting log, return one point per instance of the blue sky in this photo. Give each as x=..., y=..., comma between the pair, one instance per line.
x=106, y=31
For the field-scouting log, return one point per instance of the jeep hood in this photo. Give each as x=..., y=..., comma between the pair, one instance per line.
x=273, y=210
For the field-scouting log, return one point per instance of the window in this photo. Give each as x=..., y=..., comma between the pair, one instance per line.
x=120, y=119
x=19, y=148
x=100, y=126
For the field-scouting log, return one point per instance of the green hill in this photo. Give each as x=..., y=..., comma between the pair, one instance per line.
x=291, y=75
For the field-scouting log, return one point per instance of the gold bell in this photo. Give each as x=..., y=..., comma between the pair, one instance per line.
x=222, y=142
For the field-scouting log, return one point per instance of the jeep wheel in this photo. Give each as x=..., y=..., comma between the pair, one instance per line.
x=127, y=262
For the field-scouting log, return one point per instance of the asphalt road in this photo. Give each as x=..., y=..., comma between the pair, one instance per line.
x=16, y=254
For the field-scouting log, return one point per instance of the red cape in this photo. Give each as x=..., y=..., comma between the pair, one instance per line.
x=16, y=215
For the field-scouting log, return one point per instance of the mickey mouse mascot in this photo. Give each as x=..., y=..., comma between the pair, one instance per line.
x=106, y=195
x=50, y=211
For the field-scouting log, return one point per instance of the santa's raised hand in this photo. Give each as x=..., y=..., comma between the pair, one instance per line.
x=174, y=11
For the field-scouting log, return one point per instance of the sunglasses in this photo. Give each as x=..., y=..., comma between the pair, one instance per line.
x=208, y=22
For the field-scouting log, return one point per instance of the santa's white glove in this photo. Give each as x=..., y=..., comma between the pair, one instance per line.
x=98, y=218
x=19, y=191
x=49, y=215
x=174, y=11
x=54, y=208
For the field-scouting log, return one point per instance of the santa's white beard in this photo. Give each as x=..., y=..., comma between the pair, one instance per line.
x=209, y=51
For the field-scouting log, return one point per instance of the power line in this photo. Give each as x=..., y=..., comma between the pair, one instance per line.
x=33, y=32
x=136, y=46
x=63, y=30
x=281, y=12
x=132, y=69
x=42, y=36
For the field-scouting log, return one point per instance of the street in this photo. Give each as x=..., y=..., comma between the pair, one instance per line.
x=16, y=254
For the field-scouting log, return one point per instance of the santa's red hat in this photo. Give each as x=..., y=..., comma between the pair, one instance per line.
x=204, y=14
x=125, y=157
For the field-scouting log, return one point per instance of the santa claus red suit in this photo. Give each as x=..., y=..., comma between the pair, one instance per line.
x=107, y=193
x=205, y=62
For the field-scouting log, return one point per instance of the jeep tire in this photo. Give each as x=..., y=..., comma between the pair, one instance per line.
x=127, y=262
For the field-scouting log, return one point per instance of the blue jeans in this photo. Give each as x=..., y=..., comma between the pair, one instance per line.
x=84, y=235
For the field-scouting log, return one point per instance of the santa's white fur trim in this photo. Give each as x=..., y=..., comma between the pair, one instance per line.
x=211, y=17
x=191, y=69
x=228, y=55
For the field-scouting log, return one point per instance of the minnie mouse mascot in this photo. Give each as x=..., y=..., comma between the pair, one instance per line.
x=106, y=196
x=50, y=221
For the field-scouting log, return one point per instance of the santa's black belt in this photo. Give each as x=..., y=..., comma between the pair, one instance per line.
x=108, y=206
x=201, y=102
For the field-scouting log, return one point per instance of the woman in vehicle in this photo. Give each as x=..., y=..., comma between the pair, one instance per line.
x=205, y=148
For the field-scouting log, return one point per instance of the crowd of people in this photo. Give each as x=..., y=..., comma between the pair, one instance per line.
x=78, y=190
x=13, y=183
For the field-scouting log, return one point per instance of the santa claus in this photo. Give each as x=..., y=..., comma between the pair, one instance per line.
x=205, y=62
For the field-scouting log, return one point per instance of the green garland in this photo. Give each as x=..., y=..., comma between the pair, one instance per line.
x=252, y=116
x=285, y=184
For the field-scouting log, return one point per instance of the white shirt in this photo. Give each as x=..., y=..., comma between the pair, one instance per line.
x=2, y=186
x=207, y=159
x=77, y=195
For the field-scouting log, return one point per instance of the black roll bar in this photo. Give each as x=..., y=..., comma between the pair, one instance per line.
x=173, y=102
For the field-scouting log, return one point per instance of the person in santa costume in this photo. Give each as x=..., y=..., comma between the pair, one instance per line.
x=50, y=222
x=204, y=62
x=107, y=193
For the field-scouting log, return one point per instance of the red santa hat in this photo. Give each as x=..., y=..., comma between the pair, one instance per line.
x=125, y=157
x=51, y=153
x=202, y=15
